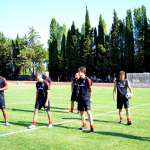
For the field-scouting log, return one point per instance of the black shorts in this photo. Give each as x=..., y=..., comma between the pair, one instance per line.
x=2, y=102
x=122, y=101
x=84, y=104
x=74, y=97
x=41, y=103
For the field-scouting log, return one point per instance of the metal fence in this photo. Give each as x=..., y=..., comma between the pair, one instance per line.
x=139, y=79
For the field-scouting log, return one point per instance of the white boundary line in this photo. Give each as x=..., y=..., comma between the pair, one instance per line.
x=67, y=121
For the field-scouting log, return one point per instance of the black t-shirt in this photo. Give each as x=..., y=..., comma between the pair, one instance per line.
x=41, y=90
x=84, y=87
x=122, y=86
x=75, y=86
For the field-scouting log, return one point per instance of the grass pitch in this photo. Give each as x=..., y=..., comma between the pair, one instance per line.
x=65, y=135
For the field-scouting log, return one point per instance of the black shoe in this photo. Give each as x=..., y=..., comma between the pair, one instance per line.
x=120, y=122
x=129, y=123
x=92, y=130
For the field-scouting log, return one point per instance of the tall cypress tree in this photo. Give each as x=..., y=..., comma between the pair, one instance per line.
x=114, y=43
x=68, y=47
x=121, y=45
x=140, y=32
x=73, y=49
x=129, y=43
x=53, y=50
x=87, y=45
x=63, y=57
x=16, y=48
x=101, y=33
x=146, y=40
x=87, y=24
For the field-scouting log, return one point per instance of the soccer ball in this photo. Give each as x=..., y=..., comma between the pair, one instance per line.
x=128, y=95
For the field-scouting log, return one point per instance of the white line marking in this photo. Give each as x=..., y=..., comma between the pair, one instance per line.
x=67, y=121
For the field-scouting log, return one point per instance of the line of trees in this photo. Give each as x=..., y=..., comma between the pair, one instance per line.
x=126, y=46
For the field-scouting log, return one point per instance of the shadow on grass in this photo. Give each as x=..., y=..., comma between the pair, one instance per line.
x=24, y=123
x=61, y=108
x=105, y=121
x=41, y=111
x=71, y=118
x=60, y=111
x=23, y=110
x=123, y=135
x=66, y=127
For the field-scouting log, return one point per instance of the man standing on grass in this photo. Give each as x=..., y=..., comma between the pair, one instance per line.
x=3, y=87
x=121, y=86
x=84, y=102
x=75, y=91
x=41, y=101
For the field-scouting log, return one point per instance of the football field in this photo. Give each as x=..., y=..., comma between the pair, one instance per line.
x=65, y=133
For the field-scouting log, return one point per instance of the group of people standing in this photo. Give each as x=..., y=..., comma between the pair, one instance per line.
x=81, y=93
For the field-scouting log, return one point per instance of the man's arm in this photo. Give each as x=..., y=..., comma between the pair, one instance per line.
x=5, y=86
x=89, y=85
x=46, y=96
x=129, y=87
x=114, y=91
x=46, y=103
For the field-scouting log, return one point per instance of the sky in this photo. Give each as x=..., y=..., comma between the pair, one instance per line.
x=16, y=16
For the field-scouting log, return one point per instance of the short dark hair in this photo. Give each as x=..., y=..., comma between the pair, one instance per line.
x=82, y=69
x=122, y=72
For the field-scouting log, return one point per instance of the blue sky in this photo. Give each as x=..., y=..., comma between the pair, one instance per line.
x=17, y=15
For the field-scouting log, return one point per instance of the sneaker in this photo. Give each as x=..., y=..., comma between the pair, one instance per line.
x=32, y=126
x=129, y=123
x=92, y=130
x=77, y=112
x=50, y=126
x=7, y=124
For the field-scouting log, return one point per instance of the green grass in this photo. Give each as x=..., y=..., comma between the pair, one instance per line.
x=109, y=135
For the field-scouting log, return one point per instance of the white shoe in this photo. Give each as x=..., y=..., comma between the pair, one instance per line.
x=84, y=129
x=7, y=124
x=32, y=126
x=50, y=126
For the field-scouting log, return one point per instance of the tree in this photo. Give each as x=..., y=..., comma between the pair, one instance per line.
x=129, y=43
x=146, y=38
x=63, y=57
x=87, y=43
x=101, y=49
x=6, y=63
x=141, y=39
x=114, y=49
x=67, y=60
x=101, y=33
x=53, y=50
